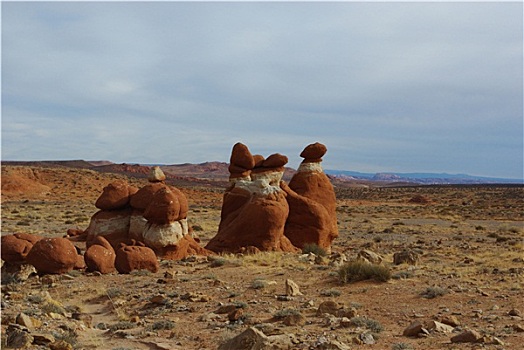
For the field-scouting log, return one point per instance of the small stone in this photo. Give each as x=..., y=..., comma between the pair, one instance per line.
x=284, y=298
x=294, y=320
x=347, y=312
x=134, y=319
x=159, y=300
x=470, y=336
x=450, y=321
x=18, y=338
x=518, y=328
x=43, y=339
x=61, y=345
x=439, y=327
x=235, y=315
x=413, y=329
x=322, y=260
x=328, y=307
x=515, y=312
x=367, y=338
x=292, y=288
x=24, y=320
x=225, y=309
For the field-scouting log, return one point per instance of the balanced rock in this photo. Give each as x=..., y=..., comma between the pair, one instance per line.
x=100, y=256
x=314, y=152
x=116, y=195
x=135, y=257
x=53, y=255
x=16, y=247
x=312, y=202
x=254, y=213
x=156, y=175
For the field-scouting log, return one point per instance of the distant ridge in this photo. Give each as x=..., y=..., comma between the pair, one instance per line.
x=421, y=178
x=215, y=170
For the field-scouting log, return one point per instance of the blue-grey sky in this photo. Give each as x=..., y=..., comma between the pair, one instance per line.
x=404, y=87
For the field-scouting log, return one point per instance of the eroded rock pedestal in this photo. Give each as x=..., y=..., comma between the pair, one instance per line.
x=155, y=214
x=312, y=202
x=254, y=209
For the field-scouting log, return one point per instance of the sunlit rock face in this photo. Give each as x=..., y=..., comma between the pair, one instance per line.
x=312, y=202
x=254, y=209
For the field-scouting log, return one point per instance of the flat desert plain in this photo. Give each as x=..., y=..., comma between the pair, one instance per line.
x=469, y=240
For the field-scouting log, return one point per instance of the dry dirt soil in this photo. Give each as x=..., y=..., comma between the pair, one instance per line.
x=471, y=267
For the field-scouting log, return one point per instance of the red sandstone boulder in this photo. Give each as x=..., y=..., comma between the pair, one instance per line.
x=168, y=205
x=16, y=247
x=314, y=152
x=53, y=255
x=259, y=160
x=100, y=256
x=135, y=257
x=116, y=195
x=186, y=246
x=312, y=202
x=241, y=157
x=143, y=197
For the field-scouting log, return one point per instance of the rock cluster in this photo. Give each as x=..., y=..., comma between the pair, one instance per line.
x=16, y=247
x=261, y=212
x=155, y=215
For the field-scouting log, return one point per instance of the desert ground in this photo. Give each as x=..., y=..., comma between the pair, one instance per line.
x=470, y=270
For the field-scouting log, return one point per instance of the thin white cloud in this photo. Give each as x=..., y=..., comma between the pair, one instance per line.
x=410, y=86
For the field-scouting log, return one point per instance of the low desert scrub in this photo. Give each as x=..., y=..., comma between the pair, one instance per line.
x=433, y=292
x=286, y=312
x=259, y=284
x=121, y=325
x=402, y=275
x=162, y=325
x=369, y=323
x=330, y=293
x=402, y=346
x=359, y=271
x=314, y=248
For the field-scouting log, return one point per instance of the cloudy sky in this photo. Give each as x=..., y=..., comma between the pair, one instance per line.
x=404, y=87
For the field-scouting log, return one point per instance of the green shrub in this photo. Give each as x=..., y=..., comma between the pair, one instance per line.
x=359, y=271
x=314, y=248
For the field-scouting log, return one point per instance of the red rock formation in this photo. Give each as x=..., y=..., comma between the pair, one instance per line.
x=312, y=202
x=116, y=195
x=254, y=210
x=113, y=225
x=16, y=247
x=241, y=161
x=53, y=255
x=167, y=205
x=144, y=196
x=135, y=257
x=100, y=256
x=185, y=247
